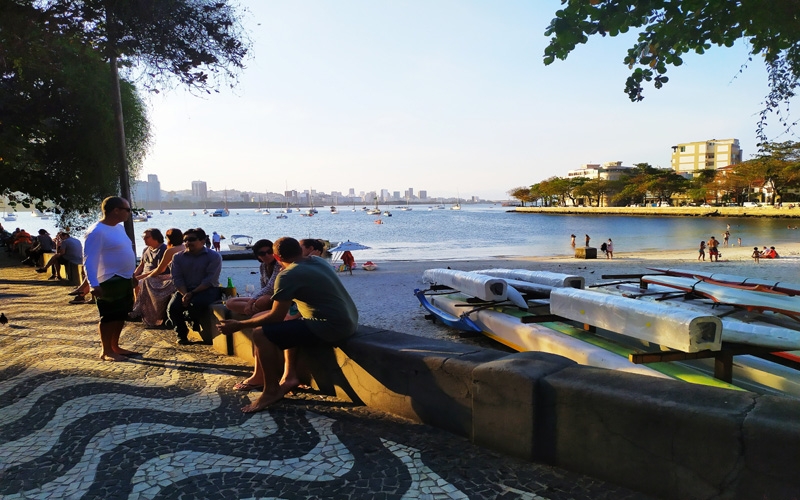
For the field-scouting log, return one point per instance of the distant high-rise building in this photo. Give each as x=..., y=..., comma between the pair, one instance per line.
x=690, y=157
x=139, y=194
x=384, y=195
x=351, y=193
x=396, y=195
x=199, y=191
x=410, y=193
x=153, y=191
x=423, y=194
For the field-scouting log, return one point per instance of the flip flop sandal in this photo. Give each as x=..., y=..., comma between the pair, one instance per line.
x=245, y=387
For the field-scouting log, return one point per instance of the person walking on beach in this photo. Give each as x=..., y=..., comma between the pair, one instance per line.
x=609, y=249
x=586, y=236
x=756, y=254
x=725, y=237
x=713, y=251
x=572, y=242
x=216, y=239
x=328, y=313
x=702, y=251
x=109, y=262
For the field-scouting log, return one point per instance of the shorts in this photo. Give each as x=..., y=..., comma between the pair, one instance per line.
x=289, y=334
x=117, y=299
x=713, y=251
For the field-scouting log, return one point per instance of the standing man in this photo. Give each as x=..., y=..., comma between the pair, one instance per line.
x=713, y=250
x=195, y=273
x=328, y=317
x=109, y=262
x=216, y=239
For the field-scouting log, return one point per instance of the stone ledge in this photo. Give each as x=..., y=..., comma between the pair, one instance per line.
x=662, y=437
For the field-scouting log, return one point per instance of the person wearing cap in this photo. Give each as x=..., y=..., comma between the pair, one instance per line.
x=69, y=251
x=42, y=244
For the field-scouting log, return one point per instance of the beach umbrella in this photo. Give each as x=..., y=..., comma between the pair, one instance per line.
x=348, y=246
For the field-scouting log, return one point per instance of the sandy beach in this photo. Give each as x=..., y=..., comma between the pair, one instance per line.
x=385, y=296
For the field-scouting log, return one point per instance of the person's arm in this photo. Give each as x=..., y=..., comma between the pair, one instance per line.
x=91, y=259
x=275, y=315
x=139, y=268
x=162, y=266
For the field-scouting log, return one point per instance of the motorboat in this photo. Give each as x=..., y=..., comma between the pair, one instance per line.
x=10, y=216
x=387, y=213
x=281, y=216
x=240, y=242
x=334, y=210
x=220, y=212
x=39, y=214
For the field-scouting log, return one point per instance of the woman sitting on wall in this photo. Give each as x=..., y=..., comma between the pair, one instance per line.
x=156, y=286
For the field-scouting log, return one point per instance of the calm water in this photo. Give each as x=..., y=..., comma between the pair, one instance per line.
x=472, y=233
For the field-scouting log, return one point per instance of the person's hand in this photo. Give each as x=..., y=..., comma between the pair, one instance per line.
x=228, y=326
x=186, y=299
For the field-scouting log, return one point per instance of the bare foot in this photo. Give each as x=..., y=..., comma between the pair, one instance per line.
x=263, y=402
x=112, y=356
x=126, y=352
x=289, y=385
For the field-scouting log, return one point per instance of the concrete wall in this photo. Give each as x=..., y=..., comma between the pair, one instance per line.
x=661, y=437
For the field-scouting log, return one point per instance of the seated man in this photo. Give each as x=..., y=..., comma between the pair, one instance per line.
x=195, y=274
x=42, y=244
x=69, y=252
x=328, y=317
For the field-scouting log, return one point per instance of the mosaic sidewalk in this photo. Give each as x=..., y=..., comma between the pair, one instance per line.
x=167, y=425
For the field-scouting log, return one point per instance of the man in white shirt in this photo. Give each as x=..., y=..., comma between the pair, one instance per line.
x=109, y=261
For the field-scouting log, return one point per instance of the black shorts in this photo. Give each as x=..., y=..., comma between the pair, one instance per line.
x=116, y=300
x=289, y=334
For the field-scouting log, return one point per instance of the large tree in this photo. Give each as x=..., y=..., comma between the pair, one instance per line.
x=56, y=127
x=669, y=29
x=199, y=43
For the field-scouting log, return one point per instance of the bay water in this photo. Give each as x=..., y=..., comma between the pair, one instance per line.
x=474, y=232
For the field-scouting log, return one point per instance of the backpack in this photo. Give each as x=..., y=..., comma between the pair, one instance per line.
x=603, y=247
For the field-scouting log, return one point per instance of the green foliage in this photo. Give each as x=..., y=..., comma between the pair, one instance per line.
x=56, y=130
x=669, y=29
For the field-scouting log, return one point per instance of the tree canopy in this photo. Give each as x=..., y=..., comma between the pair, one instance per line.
x=56, y=124
x=669, y=29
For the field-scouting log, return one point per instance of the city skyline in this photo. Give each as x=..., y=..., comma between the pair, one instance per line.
x=453, y=95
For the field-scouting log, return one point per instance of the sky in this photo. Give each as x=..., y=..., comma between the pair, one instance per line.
x=449, y=96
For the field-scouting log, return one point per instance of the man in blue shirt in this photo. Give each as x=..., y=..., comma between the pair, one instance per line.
x=195, y=273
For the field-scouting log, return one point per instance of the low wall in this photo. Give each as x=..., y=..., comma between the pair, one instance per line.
x=657, y=436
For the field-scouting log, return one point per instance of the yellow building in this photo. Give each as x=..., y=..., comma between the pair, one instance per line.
x=690, y=157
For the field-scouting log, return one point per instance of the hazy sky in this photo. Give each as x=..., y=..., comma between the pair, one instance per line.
x=447, y=96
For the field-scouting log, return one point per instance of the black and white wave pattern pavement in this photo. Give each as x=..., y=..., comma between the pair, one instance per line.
x=168, y=425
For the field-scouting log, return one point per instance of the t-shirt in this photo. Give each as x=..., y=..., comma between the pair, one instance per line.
x=107, y=252
x=46, y=243
x=321, y=298
x=72, y=250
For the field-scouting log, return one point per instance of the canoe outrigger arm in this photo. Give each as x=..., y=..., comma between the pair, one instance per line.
x=461, y=322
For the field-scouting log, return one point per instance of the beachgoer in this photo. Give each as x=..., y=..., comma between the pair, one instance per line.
x=109, y=262
x=269, y=268
x=739, y=241
x=349, y=261
x=572, y=240
x=312, y=246
x=609, y=249
x=756, y=254
x=151, y=255
x=771, y=253
x=713, y=250
x=157, y=287
x=702, y=251
x=328, y=317
x=725, y=238
x=195, y=273
x=216, y=239
x=586, y=237
x=69, y=252
x=42, y=244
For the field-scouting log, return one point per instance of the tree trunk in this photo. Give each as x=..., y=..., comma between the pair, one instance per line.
x=122, y=156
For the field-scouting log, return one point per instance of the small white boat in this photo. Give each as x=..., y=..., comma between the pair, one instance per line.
x=374, y=211
x=10, y=216
x=281, y=216
x=240, y=242
x=220, y=212
x=194, y=214
x=334, y=210
x=387, y=213
x=39, y=214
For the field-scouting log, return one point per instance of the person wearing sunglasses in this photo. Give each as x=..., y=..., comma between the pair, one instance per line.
x=262, y=300
x=109, y=262
x=329, y=316
x=195, y=274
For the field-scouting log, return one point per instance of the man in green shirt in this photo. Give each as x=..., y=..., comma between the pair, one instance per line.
x=328, y=316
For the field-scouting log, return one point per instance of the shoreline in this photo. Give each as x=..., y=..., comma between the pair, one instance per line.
x=766, y=211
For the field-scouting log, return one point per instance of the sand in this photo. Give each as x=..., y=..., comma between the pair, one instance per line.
x=385, y=299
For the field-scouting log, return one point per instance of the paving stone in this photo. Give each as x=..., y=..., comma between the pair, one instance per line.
x=167, y=425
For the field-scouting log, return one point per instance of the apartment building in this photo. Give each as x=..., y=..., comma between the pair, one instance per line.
x=609, y=171
x=690, y=157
